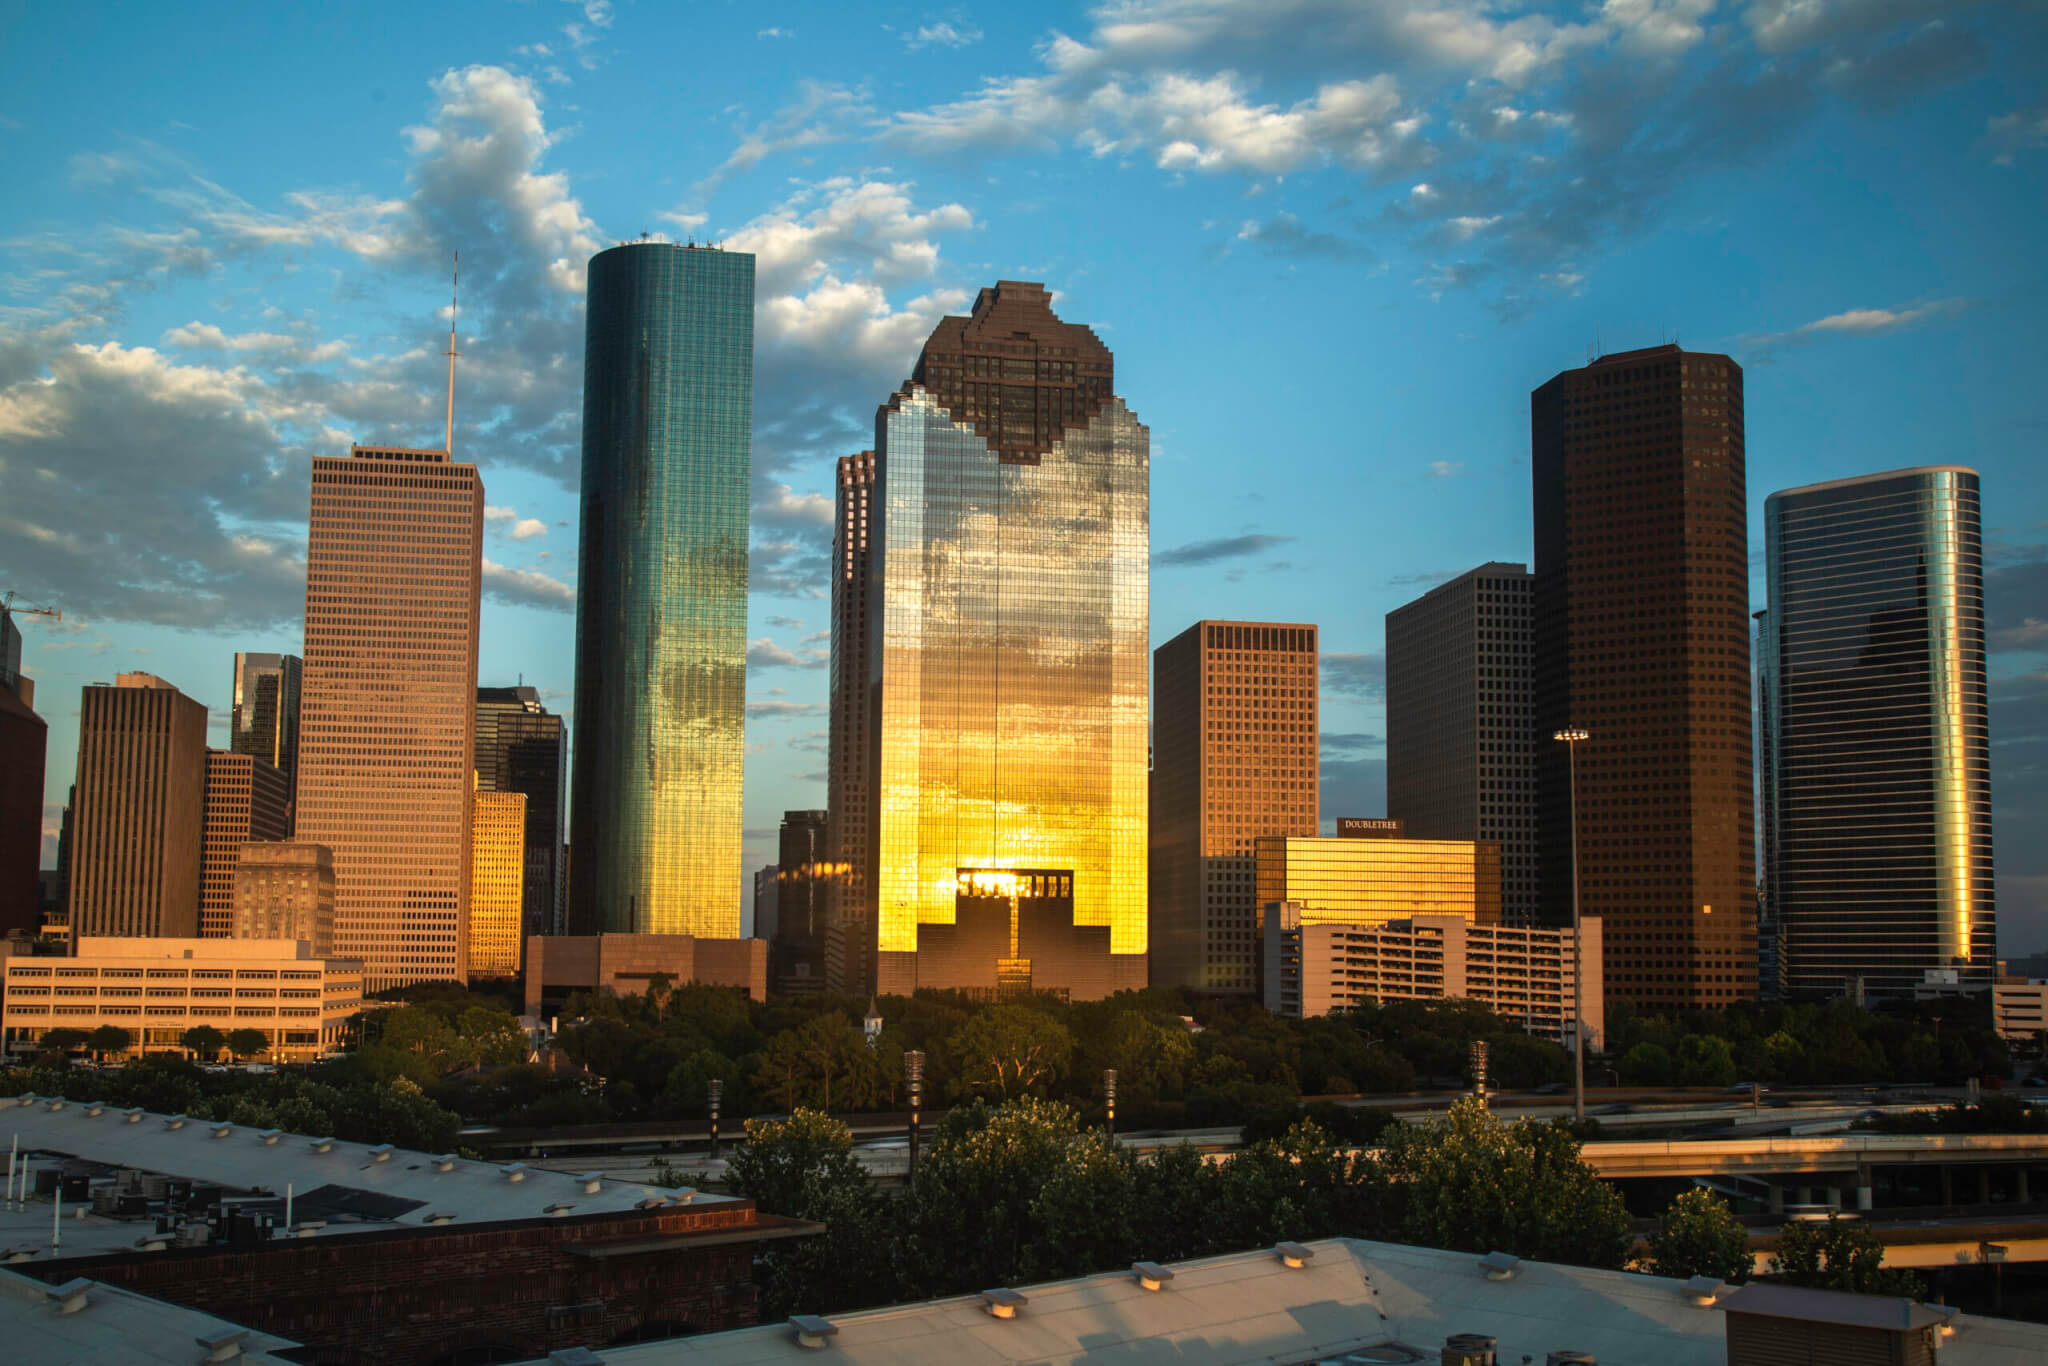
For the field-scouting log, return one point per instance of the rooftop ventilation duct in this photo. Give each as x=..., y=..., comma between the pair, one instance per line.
x=514, y=1171
x=593, y=1182
x=270, y=1137
x=812, y=1331
x=1703, y=1290
x=223, y=1130
x=1567, y=1357
x=382, y=1152
x=93, y=1108
x=558, y=1208
x=174, y=1121
x=1151, y=1275
x=1468, y=1349
x=1499, y=1266
x=307, y=1228
x=438, y=1217
x=443, y=1163
x=133, y=1116
x=1293, y=1256
x=574, y=1356
x=1003, y=1303
x=225, y=1345
x=70, y=1296
x=322, y=1145
x=57, y=1104
x=27, y=1098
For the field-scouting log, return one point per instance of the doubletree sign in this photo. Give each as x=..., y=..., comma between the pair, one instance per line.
x=1369, y=828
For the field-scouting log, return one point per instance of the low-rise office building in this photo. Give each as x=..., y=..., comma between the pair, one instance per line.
x=156, y=989
x=1317, y=962
x=557, y=965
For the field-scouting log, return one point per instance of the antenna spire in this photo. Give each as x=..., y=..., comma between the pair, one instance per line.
x=454, y=285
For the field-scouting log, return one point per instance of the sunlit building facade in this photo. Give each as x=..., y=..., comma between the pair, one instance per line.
x=497, y=882
x=139, y=810
x=388, y=704
x=1365, y=881
x=522, y=747
x=1876, y=754
x=1007, y=661
x=661, y=608
x=284, y=889
x=1234, y=750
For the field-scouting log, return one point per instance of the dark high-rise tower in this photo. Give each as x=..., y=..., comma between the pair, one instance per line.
x=850, y=798
x=1642, y=639
x=1461, y=746
x=24, y=743
x=265, y=721
x=522, y=747
x=661, y=670
x=1006, y=606
x=1877, y=814
x=798, y=949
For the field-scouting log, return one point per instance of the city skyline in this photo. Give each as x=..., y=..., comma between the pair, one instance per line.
x=1859, y=359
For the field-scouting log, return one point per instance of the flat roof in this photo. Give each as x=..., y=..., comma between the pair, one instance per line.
x=347, y=1187
x=1856, y=479
x=1382, y=1302
x=115, y=1327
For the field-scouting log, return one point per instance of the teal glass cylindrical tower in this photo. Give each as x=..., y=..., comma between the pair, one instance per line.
x=661, y=611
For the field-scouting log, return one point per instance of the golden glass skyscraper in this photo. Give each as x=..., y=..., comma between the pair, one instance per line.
x=1007, y=661
x=661, y=604
x=497, y=882
x=387, y=708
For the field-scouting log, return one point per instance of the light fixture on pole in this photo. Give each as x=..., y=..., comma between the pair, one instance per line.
x=1570, y=738
x=714, y=1091
x=913, y=1082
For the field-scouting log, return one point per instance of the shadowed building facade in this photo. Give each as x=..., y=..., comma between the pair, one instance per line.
x=850, y=796
x=1234, y=746
x=387, y=711
x=1876, y=753
x=1641, y=635
x=265, y=721
x=247, y=800
x=662, y=592
x=1006, y=661
x=522, y=747
x=24, y=746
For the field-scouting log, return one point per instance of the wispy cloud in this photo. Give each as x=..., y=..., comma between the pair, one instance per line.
x=1222, y=548
x=1359, y=677
x=1861, y=322
x=942, y=35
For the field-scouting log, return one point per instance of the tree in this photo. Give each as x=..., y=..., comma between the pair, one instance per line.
x=109, y=1039
x=970, y=1200
x=490, y=1038
x=1704, y=1060
x=247, y=1043
x=1473, y=1183
x=804, y=1167
x=1007, y=1051
x=1699, y=1235
x=61, y=1040
x=1647, y=1064
x=203, y=1040
x=824, y=1062
x=1084, y=1216
x=1839, y=1256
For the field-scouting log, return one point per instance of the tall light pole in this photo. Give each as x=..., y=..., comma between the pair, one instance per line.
x=1571, y=738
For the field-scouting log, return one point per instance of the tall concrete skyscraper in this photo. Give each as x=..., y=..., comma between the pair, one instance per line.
x=849, y=793
x=661, y=609
x=265, y=720
x=1877, y=815
x=1461, y=738
x=247, y=800
x=1642, y=640
x=1006, y=619
x=1234, y=757
x=522, y=747
x=388, y=706
x=139, y=810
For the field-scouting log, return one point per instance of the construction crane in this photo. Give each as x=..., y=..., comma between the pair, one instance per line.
x=7, y=606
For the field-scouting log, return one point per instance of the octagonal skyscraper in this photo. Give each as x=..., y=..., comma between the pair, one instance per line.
x=668, y=405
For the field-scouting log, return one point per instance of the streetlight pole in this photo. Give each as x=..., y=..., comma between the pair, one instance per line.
x=913, y=1081
x=1109, y=1096
x=1571, y=738
x=714, y=1091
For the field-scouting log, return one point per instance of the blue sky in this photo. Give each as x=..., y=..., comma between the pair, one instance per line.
x=1333, y=246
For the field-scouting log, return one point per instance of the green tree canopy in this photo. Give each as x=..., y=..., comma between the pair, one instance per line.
x=109, y=1038
x=1008, y=1051
x=62, y=1040
x=204, y=1040
x=247, y=1043
x=1839, y=1255
x=1699, y=1235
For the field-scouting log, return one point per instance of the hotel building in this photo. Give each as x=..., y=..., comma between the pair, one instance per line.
x=1234, y=757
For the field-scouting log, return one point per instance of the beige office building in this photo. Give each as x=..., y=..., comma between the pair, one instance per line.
x=1318, y=963
x=139, y=812
x=388, y=704
x=246, y=799
x=285, y=890
x=1366, y=880
x=156, y=989
x=1234, y=757
x=497, y=886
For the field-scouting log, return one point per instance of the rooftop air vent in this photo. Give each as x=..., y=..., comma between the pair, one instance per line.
x=1151, y=1275
x=593, y=1182
x=1703, y=1290
x=1499, y=1266
x=70, y=1296
x=1567, y=1357
x=1468, y=1349
x=1293, y=1256
x=1948, y=1314
x=382, y=1152
x=27, y=1098
x=444, y=1163
x=1003, y=1302
x=514, y=1171
x=322, y=1145
x=308, y=1228
x=558, y=1208
x=57, y=1104
x=133, y=1116
x=812, y=1331
x=93, y=1109
x=153, y=1242
x=270, y=1137
x=174, y=1121
x=574, y=1356
x=223, y=1130
x=225, y=1345
x=438, y=1217
x=11, y=1255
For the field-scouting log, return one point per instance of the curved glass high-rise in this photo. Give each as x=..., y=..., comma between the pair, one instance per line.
x=668, y=406
x=1877, y=820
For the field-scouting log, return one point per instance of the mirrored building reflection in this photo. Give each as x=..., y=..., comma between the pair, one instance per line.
x=662, y=592
x=1877, y=780
x=1005, y=659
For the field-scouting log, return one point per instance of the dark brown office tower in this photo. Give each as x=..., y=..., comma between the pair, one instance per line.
x=141, y=800
x=24, y=739
x=849, y=820
x=1233, y=758
x=991, y=371
x=1642, y=640
x=247, y=799
x=798, y=949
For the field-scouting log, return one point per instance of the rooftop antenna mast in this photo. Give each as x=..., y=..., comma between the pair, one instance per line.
x=454, y=285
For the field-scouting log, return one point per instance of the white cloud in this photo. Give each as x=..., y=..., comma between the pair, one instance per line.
x=766, y=654
x=2023, y=130
x=527, y=588
x=1445, y=469
x=1860, y=322
x=776, y=709
x=526, y=528
x=942, y=35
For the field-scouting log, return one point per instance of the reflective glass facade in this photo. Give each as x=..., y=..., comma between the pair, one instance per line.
x=265, y=722
x=496, y=883
x=1007, y=657
x=1366, y=881
x=1877, y=778
x=662, y=592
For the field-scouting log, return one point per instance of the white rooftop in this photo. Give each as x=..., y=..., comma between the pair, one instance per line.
x=337, y=1188
x=113, y=1327
x=1352, y=1301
